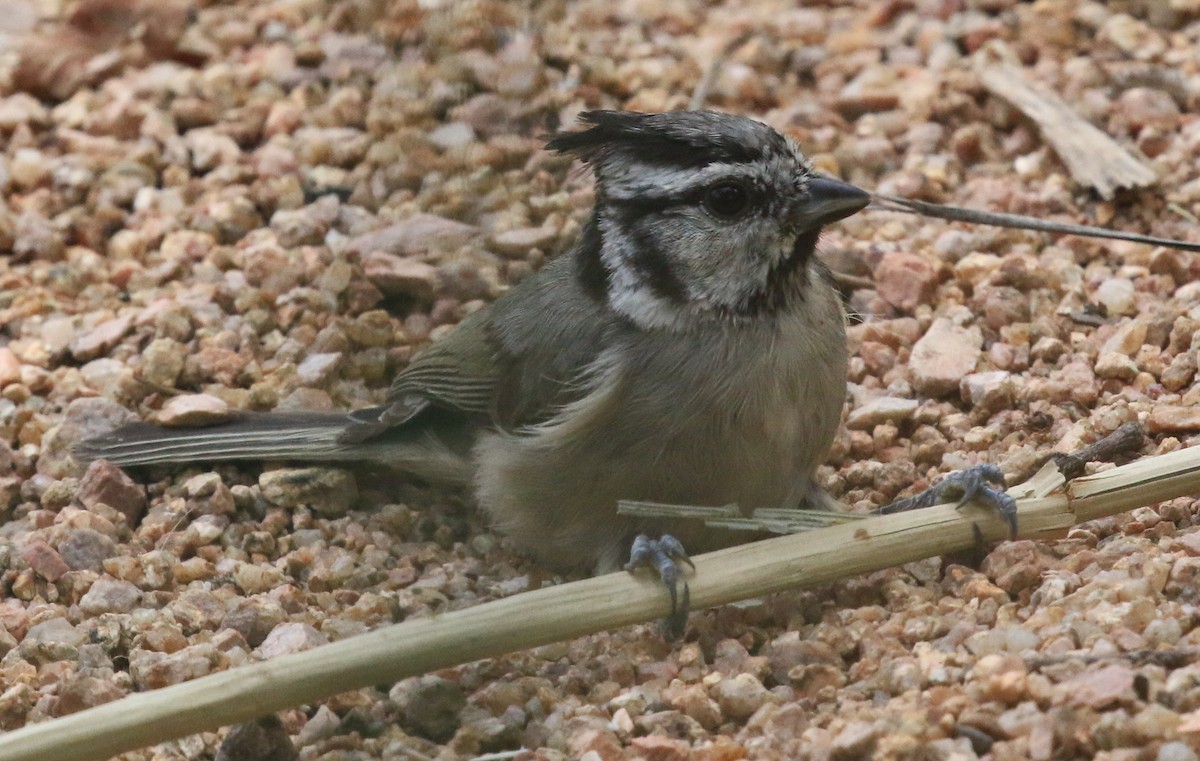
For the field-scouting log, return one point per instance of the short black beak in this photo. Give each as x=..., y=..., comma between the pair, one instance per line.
x=828, y=201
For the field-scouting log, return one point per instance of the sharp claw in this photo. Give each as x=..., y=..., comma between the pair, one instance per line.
x=1007, y=507
x=980, y=543
x=669, y=573
x=662, y=554
x=675, y=624
x=673, y=548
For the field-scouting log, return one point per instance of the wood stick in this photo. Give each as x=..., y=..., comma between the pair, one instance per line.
x=1093, y=158
x=583, y=607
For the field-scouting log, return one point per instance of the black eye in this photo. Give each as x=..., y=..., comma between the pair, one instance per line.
x=727, y=200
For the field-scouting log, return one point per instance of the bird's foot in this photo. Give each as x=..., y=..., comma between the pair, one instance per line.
x=980, y=483
x=664, y=555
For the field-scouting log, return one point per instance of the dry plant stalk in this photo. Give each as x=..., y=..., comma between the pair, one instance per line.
x=1093, y=157
x=583, y=607
x=713, y=70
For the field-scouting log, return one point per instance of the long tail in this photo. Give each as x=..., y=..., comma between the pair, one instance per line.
x=304, y=436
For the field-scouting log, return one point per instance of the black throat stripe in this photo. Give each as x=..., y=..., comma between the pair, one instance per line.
x=646, y=257
x=651, y=262
x=786, y=280
x=593, y=277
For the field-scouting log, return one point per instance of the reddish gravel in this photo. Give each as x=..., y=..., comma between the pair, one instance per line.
x=276, y=202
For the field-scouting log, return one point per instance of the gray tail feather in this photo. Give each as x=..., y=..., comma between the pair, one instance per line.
x=305, y=436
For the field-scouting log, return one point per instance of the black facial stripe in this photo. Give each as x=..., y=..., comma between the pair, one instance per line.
x=649, y=261
x=593, y=277
x=648, y=204
x=786, y=279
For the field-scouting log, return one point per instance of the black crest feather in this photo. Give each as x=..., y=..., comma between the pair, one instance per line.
x=678, y=138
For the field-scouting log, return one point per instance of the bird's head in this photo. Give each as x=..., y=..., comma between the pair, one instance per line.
x=700, y=215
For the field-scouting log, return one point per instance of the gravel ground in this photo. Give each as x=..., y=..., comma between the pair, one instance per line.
x=276, y=203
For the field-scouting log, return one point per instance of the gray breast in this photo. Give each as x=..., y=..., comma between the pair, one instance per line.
x=742, y=416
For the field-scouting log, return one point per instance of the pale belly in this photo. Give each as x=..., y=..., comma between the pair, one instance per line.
x=745, y=423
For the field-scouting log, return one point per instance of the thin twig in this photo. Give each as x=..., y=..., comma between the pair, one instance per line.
x=700, y=94
x=502, y=755
x=1127, y=439
x=414, y=754
x=1177, y=209
x=847, y=282
x=881, y=202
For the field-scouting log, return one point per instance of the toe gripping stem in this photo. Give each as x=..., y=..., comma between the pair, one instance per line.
x=664, y=555
x=980, y=483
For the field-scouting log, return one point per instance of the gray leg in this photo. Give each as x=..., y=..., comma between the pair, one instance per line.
x=981, y=483
x=661, y=554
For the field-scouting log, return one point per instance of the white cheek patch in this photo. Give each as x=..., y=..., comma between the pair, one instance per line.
x=651, y=312
x=716, y=269
x=629, y=291
x=726, y=266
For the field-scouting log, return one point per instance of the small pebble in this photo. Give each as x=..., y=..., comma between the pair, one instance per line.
x=947, y=352
x=191, y=410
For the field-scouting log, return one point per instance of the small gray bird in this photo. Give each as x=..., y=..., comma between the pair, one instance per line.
x=690, y=349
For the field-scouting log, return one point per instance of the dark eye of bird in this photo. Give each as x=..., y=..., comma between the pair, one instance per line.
x=727, y=200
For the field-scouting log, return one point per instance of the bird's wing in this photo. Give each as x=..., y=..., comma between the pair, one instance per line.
x=459, y=372
x=513, y=362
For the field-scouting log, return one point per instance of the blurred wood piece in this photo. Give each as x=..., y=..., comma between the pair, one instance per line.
x=1093, y=158
x=94, y=40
